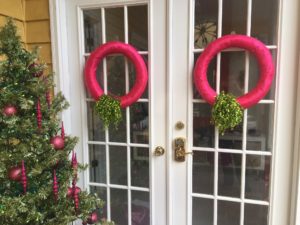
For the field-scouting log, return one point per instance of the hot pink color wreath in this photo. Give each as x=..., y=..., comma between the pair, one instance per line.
x=255, y=47
x=116, y=48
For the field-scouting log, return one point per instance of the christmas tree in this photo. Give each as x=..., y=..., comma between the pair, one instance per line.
x=37, y=179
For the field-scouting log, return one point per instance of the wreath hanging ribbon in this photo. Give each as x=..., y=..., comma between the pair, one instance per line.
x=227, y=110
x=107, y=106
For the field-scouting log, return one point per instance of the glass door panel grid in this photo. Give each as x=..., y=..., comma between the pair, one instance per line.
x=229, y=176
x=128, y=146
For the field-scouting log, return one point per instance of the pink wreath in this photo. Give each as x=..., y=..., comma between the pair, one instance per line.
x=116, y=48
x=254, y=46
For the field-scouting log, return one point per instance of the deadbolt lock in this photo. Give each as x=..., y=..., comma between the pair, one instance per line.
x=180, y=149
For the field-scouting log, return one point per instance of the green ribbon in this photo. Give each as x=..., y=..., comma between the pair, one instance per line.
x=227, y=113
x=109, y=110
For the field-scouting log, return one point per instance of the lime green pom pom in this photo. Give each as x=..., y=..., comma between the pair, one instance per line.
x=227, y=112
x=109, y=110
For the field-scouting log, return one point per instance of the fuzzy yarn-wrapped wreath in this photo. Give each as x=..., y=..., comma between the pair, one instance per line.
x=109, y=107
x=227, y=110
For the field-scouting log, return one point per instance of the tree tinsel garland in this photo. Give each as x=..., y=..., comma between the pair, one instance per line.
x=226, y=112
x=109, y=110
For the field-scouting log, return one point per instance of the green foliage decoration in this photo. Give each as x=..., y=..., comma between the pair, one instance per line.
x=20, y=139
x=109, y=110
x=227, y=113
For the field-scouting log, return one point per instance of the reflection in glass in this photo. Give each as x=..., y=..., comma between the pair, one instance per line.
x=116, y=75
x=234, y=17
x=101, y=193
x=97, y=156
x=228, y=213
x=139, y=123
x=260, y=127
x=119, y=206
x=206, y=19
x=138, y=27
x=233, y=72
x=131, y=69
x=140, y=208
x=229, y=181
x=140, y=167
x=256, y=214
x=114, y=18
x=92, y=29
x=95, y=126
x=203, y=211
x=118, y=134
x=118, y=164
x=257, y=177
x=211, y=75
x=203, y=172
x=254, y=75
x=232, y=139
x=264, y=21
x=202, y=127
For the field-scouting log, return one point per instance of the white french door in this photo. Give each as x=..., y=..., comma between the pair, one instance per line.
x=240, y=178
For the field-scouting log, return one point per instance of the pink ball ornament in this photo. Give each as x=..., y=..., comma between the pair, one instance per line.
x=57, y=142
x=93, y=218
x=70, y=191
x=36, y=71
x=15, y=173
x=10, y=110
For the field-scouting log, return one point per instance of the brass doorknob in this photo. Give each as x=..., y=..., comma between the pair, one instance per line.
x=159, y=151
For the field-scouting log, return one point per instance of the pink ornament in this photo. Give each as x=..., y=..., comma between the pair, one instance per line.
x=9, y=110
x=36, y=72
x=75, y=164
x=15, y=173
x=70, y=191
x=62, y=130
x=93, y=218
x=57, y=142
x=55, y=186
x=24, y=178
x=39, y=114
x=48, y=99
x=76, y=199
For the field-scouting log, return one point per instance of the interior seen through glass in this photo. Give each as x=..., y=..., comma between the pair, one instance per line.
x=122, y=184
x=231, y=172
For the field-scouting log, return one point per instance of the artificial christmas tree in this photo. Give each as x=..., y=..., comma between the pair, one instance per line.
x=37, y=179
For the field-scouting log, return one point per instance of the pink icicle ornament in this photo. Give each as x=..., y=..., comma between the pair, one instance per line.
x=24, y=178
x=55, y=186
x=39, y=114
x=62, y=130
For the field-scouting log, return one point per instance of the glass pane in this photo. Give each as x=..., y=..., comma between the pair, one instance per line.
x=264, y=20
x=234, y=17
x=119, y=206
x=114, y=18
x=204, y=131
x=229, y=174
x=206, y=19
x=118, y=164
x=101, y=193
x=92, y=29
x=260, y=127
x=257, y=177
x=95, y=126
x=203, y=211
x=139, y=123
x=138, y=27
x=228, y=213
x=140, y=208
x=116, y=75
x=203, y=172
x=140, y=167
x=132, y=75
x=233, y=72
x=256, y=214
x=211, y=75
x=119, y=134
x=97, y=156
x=254, y=75
x=232, y=139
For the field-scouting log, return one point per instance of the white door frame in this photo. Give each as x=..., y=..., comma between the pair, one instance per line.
x=286, y=182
